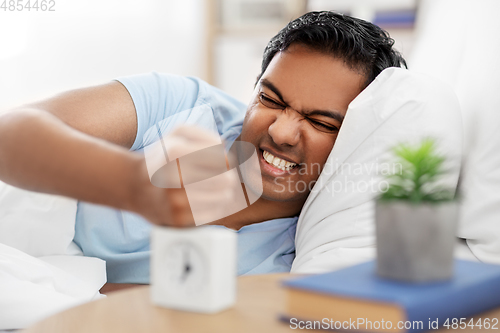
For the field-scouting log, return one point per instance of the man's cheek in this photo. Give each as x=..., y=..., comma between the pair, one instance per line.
x=251, y=108
x=249, y=118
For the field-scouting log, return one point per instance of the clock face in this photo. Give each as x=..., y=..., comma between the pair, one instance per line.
x=186, y=269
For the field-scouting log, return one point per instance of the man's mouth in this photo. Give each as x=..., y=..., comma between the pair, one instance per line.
x=278, y=162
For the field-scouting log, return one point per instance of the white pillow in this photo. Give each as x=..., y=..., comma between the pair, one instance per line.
x=336, y=225
x=32, y=289
x=42, y=226
x=466, y=56
x=37, y=224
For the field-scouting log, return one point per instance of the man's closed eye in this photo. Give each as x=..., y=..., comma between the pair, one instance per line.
x=323, y=127
x=270, y=103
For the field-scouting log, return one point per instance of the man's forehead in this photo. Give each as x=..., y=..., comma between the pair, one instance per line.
x=312, y=80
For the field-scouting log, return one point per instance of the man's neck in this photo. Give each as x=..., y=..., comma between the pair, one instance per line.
x=260, y=211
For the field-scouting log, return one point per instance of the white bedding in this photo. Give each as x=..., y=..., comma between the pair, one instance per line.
x=335, y=231
x=33, y=289
x=41, y=270
x=37, y=224
x=336, y=226
x=466, y=56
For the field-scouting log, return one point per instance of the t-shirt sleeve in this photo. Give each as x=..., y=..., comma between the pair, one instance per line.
x=158, y=96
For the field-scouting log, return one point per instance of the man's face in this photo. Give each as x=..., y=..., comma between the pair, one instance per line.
x=294, y=117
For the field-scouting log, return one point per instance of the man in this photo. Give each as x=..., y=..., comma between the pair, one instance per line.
x=77, y=143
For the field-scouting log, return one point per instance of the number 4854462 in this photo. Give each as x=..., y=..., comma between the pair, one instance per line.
x=28, y=5
x=481, y=323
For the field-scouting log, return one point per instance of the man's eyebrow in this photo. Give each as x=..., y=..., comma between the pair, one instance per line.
x=330, y=114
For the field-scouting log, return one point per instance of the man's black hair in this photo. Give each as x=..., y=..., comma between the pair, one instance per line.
x=363, y=46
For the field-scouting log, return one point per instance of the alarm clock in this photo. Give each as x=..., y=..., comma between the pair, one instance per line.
x=193, y=269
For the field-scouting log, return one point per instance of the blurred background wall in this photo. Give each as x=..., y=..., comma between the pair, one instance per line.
x=90, y=42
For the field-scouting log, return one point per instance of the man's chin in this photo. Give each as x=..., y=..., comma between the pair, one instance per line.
x=270, y=190
x=274, y=194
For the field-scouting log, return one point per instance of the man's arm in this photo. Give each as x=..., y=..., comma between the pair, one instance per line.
x=75, y=144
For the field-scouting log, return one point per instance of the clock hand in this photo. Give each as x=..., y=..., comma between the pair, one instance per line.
x=187, y=269
x=187, y=266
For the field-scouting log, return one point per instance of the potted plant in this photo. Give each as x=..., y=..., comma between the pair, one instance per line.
x=416, y=218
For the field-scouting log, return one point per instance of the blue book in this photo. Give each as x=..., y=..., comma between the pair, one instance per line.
x=357, y=299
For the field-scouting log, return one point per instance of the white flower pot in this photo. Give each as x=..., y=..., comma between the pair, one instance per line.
x=415, y=243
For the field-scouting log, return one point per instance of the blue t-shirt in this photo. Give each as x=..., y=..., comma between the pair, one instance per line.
x=121, y=238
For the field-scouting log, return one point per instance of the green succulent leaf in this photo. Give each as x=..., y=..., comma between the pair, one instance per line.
x=421, y=168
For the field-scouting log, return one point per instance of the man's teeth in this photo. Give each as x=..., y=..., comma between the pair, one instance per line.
x=277, y=162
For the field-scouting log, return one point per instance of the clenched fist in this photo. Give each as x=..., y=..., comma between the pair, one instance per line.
x=191, y=184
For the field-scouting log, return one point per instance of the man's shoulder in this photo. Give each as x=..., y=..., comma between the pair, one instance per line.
x=173, y=99
x=173, y=86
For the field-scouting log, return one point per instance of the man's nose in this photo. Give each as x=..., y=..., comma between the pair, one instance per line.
x=285, y=130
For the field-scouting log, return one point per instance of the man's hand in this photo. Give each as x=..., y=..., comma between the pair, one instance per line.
x=207, y=188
